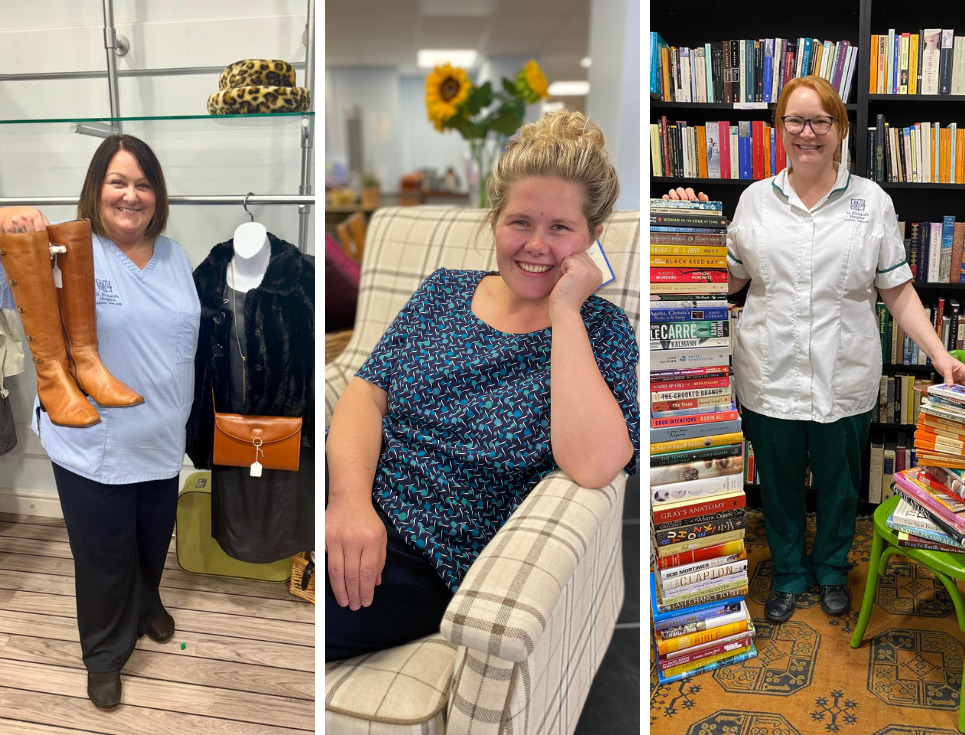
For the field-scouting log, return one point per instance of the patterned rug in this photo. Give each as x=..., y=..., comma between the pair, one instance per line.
x=903, y=680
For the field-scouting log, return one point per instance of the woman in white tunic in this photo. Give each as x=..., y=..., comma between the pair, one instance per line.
x=816, y=244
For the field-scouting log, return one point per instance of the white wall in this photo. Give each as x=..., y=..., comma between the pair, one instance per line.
x=202, y=157
x=614, y=100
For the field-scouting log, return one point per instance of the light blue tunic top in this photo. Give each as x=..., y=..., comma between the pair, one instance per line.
x=147, y=332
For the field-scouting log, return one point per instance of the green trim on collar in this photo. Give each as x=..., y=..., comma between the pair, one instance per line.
x=847, y=183
x=736, y=260
x=888, y=270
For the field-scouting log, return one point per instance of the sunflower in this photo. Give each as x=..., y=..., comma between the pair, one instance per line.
x=531, y=82
x=446, y=89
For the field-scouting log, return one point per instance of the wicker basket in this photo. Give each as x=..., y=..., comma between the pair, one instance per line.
x=299, y=563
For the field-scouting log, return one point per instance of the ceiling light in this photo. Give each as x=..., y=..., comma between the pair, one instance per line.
x=569, y=89
x=428, y=58
x=585, y=62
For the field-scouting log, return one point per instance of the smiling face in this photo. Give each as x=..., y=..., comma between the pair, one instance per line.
x=807, y=150
x=127, y=200
x=541, y=224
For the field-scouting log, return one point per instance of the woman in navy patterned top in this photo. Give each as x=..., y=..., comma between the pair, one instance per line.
x=454, y=417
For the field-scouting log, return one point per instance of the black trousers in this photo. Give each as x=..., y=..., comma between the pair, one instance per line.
x=409, y=604
x=119, y=537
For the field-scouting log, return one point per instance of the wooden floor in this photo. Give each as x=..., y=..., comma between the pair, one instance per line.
x=247, y=667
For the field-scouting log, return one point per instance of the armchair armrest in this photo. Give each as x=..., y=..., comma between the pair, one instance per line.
x=509, y=596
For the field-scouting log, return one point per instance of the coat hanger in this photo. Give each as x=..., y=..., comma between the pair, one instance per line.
x=250, y=238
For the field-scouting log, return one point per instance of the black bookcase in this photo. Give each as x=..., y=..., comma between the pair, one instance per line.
x=692, y=24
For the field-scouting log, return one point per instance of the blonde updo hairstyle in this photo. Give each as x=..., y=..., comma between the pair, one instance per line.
x=562, y=145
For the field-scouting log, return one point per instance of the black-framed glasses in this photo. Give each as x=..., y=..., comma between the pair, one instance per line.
x=820, y=124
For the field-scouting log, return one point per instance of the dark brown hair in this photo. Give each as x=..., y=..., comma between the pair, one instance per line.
x=89, y=205
x=830, y=101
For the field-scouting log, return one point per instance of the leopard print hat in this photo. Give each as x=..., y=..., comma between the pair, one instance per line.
x=258, y=86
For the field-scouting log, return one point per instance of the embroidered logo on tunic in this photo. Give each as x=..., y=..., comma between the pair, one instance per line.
x=858, y=213
x=105, y=293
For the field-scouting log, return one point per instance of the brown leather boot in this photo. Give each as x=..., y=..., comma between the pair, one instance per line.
x=80, y=322
x=26, y=260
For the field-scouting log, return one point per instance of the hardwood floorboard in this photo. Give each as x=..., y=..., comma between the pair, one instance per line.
x=247, y=666
x=78, y=713
x=172, y=664
x=185, y=699
x=174, y=578
x=201, y=645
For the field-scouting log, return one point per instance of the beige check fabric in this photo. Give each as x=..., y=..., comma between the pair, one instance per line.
x=533, y=618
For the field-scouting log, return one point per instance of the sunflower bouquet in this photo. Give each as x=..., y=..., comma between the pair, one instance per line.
x=453, y=102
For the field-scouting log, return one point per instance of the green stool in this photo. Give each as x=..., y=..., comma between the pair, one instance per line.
x=946, y=567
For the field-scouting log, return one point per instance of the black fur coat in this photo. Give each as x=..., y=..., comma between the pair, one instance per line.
x=279, y=342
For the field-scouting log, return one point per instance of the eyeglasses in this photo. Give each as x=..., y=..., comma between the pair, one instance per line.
x=820, y=125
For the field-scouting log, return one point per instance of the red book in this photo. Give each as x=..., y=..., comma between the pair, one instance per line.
x=780, y=155
x=700, y=418
x=665, y=143
x=684, y=510
x=663, y=385
x=708, y=552
x=688, y=275
x=740, y=642
x=757, y=149
x=724, y=135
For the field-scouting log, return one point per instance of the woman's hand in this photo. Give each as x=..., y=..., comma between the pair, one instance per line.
x=22, y=219
x=686, y=195
x=581, y=277
x=355, y=543
x=951, y=370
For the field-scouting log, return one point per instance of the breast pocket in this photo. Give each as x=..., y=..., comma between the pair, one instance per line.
x=860, y=261
x=186, y=343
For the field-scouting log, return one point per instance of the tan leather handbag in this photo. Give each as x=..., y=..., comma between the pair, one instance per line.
x=269, y=442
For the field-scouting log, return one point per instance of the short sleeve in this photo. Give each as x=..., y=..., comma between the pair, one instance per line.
x=892, y=269
x=735, y=234
x=380, y=365
x=617, y=357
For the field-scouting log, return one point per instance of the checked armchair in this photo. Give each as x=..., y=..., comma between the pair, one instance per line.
x=524, y=635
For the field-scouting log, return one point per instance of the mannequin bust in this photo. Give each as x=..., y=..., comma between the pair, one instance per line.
x=250, y=261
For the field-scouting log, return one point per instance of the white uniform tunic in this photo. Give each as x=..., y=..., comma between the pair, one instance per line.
x=807, y=345
x=147, y=330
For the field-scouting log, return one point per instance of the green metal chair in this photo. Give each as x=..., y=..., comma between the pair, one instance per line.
x=946, y=567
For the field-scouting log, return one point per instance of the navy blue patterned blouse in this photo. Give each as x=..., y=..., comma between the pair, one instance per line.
x=467, y=433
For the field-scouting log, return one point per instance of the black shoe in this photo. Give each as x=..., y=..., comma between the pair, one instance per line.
x=104, y=689
x=162, y=627
x=835, y=599
x=780, y=606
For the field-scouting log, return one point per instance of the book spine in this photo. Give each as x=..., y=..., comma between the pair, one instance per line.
x=705, y=575
x=739, y=591
x=706, y=529
x=694, y=489
x=666, y=678
x=938, y=513
x=677, y=395
x=734, y=546
x=691, y=421
x=720, y=658
x=671, y=572
x=720, y=540
x=660, y=331
x=704, y=455
x=703, y=636
x=684, y=444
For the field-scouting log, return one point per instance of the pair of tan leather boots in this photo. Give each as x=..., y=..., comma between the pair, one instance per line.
x=60, y=322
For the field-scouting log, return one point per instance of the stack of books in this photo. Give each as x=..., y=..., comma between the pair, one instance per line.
x=931, y=511
x=697, y=497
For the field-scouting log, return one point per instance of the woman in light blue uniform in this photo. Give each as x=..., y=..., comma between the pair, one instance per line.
x=118, y=480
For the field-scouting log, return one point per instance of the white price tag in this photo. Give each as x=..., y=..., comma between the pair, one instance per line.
x=750, y=105
x=58, y=277
x=256, y=469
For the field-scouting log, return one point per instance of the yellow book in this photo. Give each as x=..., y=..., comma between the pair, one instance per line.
x=873, y=76
x=669, y=645
x=691, y=288
x=709, y=251
x=656, y=160
x=682, y=445
x=903, y=64
x=665, y=69
x=687, y=261
x=945, y=155
x=913, y=64
x=674, y=670
x=701, y=543
x=959, y=159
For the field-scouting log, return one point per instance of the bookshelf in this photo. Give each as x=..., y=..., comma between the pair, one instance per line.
x=855, y=21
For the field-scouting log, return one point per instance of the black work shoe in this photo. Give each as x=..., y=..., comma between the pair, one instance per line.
x=835, y=599
x=780, y=606
x=162, y=627
x=104, y=689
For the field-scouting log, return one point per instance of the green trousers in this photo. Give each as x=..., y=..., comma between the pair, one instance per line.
x=782, y=452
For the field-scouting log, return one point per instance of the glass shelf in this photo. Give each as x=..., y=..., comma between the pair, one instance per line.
x=181, y=122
